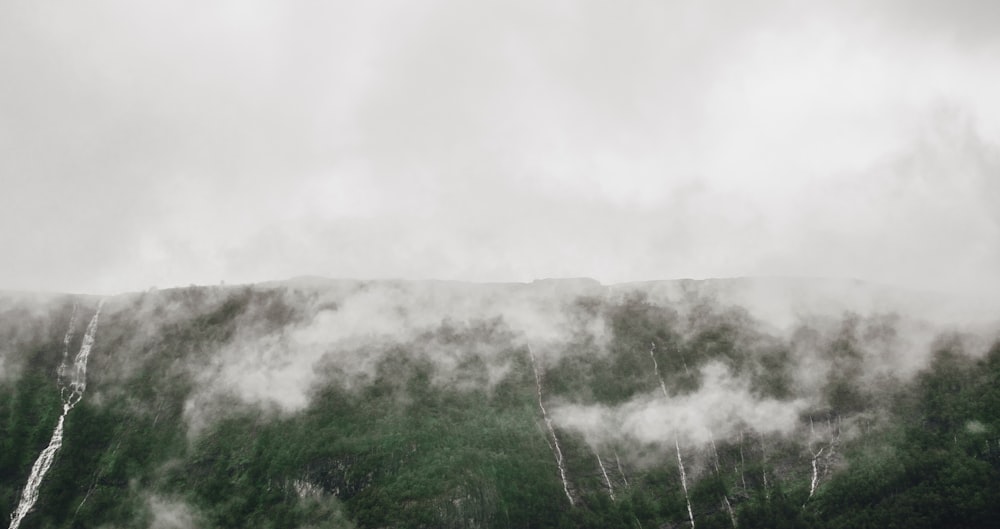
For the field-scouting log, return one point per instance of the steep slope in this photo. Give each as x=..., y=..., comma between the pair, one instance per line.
x=560, y=403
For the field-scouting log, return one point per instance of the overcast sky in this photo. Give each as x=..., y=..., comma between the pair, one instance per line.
x=176, y=142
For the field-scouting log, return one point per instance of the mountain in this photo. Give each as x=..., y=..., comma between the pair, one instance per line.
x=312, y=402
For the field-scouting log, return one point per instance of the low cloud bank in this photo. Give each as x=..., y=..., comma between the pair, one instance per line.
x=722, y=407
x=348, y=331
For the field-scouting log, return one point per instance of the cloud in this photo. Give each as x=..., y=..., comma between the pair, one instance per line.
x=166, y=145
x=172, y=514
x=721, y=408
x=349, y=331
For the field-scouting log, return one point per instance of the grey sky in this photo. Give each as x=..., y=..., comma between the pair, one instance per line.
x=167, y=143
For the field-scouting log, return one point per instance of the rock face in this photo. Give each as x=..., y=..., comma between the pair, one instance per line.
x=557, y=403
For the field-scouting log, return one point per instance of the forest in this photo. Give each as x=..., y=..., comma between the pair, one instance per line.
x=554, y=404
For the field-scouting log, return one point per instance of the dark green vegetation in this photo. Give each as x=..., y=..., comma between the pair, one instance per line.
x=442, y=427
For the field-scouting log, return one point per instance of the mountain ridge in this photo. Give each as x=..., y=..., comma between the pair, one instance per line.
x=555, y=403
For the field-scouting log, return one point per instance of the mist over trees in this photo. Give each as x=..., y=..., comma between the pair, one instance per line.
x=316, y=403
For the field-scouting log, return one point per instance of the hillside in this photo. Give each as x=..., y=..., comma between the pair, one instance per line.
x=559, y=403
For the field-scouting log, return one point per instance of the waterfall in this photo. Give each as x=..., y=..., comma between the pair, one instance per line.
x=680, y=460
x=548, y=424
x=830, y=449
x=680, y=464
x=656, y=370
x=70, y=395
x=815, y=477
x=611, y=490
x=62, y=372
x=620, y=470
x=718, y=472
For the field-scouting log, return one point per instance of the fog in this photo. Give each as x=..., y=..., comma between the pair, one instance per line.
x=171, y=514
x=721, y=408
x=786, y=375
x=146, y=145
x=298, y=336
x=346, y=333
